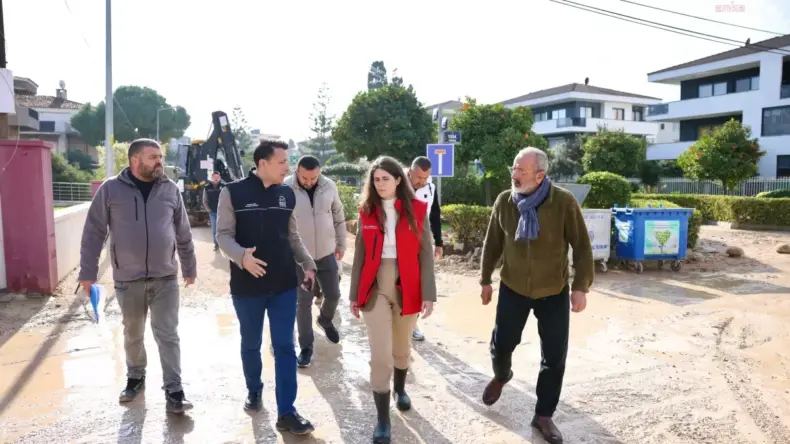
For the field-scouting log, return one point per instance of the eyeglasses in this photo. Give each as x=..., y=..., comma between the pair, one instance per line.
x=516, y=171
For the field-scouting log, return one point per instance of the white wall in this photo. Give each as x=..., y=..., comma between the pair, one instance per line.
x=68, y=237
x=62, y=119
x=607, y=112
x=670, y=133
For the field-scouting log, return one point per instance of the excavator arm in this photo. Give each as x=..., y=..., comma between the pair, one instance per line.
x=218, y=153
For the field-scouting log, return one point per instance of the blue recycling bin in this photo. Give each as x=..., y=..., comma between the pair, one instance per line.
x=652, y=234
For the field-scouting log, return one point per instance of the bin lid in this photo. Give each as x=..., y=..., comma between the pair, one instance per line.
x=579, y=191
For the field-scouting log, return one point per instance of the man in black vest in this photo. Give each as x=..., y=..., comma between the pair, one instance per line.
x=256, y=229
x=210, y=202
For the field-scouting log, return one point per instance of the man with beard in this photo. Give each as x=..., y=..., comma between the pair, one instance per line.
x=210, y=201
x=322, y=227
x=420, y=177
x=532, y=226
x=143, y=212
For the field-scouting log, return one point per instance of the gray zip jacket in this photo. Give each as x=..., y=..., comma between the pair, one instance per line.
x=144, y=236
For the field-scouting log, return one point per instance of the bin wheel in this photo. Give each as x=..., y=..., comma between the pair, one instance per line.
x=639, y=268
x=660, y=264
x=676, y=265
x=604, y=267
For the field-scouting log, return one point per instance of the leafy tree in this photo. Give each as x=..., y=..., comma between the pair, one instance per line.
x=614, y=151
x=567, y=161
x=321, y=124
x=81, y=160
x=134, y=115
x=344, y=169
x=121, y=158
x=396, y=79
x=493, y=134
x=727, y=155
x=241, y=130
x=669, y=168
x=384, y=121
x=335, y=159
x=63, y=171
x=377, y=76
x=650, y=173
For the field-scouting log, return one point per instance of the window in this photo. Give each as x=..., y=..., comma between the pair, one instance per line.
x=755, y=83
x=719, y=89
x=586, y=111
x=619, y=113
x=776, y=121
x=662, y=126
x=558, y=114
x=639, y=115
x=783, y=166
x=46, y=126
x=705, y=90
x=742, y=85
x=539, y=117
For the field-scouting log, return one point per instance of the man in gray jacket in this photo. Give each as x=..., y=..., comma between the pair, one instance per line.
x=322, y=226
x=143, y=213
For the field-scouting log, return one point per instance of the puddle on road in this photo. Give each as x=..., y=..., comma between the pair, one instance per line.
x=739, y=286
x=664, y=292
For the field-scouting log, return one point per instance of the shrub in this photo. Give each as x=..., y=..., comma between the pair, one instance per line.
x=775, y=194
x=695, y=222
x=464, y=189
x=350, y=207
x=468, y=223
x=607, y=190
x=738, y=210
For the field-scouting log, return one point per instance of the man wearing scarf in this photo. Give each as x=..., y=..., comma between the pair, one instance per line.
x=532, y=226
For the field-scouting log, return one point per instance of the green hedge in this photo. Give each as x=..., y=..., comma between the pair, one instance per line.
x=350, y=207
x=740, y=210
x=469, y=189
x=606, y=190
x=775, y=194
x=695, y=223
x=467, y=222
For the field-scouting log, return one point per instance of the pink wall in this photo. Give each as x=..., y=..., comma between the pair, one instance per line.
x=28, y=215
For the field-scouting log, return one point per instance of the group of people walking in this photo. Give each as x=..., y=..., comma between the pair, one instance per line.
x=284, y=235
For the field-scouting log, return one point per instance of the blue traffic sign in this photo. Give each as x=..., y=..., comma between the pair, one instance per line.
x=442, y=157
x=452, y=137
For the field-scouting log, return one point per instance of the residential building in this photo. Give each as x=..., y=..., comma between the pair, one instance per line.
x=48, y=117
x=750, y=84
x=564, y=112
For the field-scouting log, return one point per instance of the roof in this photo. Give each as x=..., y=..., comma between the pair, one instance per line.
x=765, y=45
x=452, y=104
x=50, y=102
x=573, y=87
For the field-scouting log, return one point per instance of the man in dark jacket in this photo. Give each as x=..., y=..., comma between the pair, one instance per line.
x=210, y=202
x=144, y=215
x=256, y=229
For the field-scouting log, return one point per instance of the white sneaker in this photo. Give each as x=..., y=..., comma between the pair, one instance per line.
x=417, y=335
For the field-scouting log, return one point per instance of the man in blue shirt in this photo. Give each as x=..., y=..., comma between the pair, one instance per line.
x=257, y=230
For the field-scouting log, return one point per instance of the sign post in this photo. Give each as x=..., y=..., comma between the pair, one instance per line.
x=442, y=157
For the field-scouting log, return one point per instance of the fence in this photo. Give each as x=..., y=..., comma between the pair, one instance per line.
x=750, y=187
x=66, y=192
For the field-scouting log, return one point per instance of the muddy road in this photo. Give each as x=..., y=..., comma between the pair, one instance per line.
x=699, y=356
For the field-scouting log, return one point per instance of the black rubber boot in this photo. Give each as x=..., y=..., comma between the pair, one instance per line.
x=402, y=400
x=381, y=435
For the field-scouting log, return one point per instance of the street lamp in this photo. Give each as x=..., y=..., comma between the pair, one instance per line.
x=157, y=120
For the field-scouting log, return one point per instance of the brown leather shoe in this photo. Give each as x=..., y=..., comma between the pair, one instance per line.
x=546, y=427
x=493, y=390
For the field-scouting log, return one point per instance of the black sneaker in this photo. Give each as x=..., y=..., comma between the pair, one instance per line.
x=253, y=402
x=133, y=388
x=305, y=357
x=294, y=423
x=177, y=402
x=329, y=330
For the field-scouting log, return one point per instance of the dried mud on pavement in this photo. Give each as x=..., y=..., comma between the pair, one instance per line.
x=698, y=356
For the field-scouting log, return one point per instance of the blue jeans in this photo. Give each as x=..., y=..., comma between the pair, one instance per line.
x=281, y=308
x=212, y=216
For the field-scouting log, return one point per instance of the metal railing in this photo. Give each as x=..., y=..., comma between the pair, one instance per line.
x=750, y=187
x=571, y=121
x=63, y=192
x=658, y=109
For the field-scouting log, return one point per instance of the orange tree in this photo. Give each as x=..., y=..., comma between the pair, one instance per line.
x=493, y=134
x=728, y=155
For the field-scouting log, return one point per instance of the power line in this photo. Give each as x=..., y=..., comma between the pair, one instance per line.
x=702, y=18
x=669, y=28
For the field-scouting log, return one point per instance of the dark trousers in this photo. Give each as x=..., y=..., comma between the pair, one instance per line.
x=553, y=314
x=327, y=276
x=281, y=308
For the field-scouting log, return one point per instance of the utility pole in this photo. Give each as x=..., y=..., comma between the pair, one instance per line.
x=157, y=121
x=109, y=163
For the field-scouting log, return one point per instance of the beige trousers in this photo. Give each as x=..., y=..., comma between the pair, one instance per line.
x=389, y=333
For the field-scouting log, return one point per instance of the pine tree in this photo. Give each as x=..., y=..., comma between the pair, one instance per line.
x=321, y=124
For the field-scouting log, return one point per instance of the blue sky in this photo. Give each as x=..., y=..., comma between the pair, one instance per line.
x=270, y=57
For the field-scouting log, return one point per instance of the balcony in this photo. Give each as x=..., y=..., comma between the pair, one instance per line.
x=733, y=103
x=590, y=125
x=667, y=151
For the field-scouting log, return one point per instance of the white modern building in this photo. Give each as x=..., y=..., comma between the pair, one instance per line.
x=750, y=84
x=563, y=112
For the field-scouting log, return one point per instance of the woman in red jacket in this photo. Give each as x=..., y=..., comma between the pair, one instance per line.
x=392, y=280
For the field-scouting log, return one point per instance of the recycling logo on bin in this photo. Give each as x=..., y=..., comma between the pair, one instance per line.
x=592, y=235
